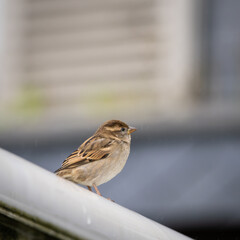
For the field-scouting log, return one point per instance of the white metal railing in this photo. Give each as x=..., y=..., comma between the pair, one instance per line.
x=64, y=210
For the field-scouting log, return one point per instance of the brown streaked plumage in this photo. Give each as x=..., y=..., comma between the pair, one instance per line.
x=101, y=157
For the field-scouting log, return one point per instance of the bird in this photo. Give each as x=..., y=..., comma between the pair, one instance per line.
x=101, y=157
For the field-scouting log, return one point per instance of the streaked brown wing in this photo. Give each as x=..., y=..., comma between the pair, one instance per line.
x=93, y=149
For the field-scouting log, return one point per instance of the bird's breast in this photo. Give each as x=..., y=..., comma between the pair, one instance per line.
x=102, y=171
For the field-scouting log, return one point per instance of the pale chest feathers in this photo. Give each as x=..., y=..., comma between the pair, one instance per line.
x=104, y=170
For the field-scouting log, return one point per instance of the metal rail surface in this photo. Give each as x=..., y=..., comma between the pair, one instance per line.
x=35, y=197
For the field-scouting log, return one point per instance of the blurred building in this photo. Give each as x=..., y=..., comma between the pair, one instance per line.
x=65, y=63
x=84, y=62
x=168, y=67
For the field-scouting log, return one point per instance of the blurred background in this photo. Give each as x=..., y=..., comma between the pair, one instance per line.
x=169, y=68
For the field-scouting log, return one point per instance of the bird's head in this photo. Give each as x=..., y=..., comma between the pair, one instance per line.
x=116, y=129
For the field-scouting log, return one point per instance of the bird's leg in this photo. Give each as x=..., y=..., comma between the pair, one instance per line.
x=96, y=189
x=89, y=188
x=98, y=192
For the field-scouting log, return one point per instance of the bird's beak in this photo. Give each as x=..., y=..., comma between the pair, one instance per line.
x=131, y=130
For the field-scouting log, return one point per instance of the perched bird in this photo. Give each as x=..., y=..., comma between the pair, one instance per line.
x=101, y=157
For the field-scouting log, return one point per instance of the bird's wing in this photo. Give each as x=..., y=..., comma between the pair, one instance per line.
x=93, y=149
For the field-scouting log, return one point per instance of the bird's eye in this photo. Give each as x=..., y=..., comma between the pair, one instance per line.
x=123, y=129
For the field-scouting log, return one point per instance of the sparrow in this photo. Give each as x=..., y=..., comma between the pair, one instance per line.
x=101, y=157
